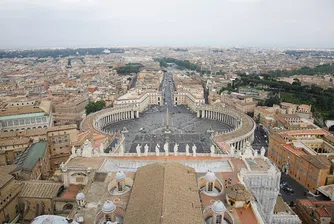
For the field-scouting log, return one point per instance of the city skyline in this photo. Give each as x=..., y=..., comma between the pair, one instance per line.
x=228, y=23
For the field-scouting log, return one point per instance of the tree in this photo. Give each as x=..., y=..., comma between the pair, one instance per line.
x=273, y=99
x=257, y=120
x=93, y=107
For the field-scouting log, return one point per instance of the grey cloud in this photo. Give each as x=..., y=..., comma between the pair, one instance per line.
x=72, y=23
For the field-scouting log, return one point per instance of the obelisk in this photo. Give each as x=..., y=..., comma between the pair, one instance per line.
x=167, y=119
x=167, y=131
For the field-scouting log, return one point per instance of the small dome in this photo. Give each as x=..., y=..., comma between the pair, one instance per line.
x=108, y=207
x=218, y=207
x=120, y=175
x=210, y=176
x=80, y=196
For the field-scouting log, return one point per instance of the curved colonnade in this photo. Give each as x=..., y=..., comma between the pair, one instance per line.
x=243, y=126
x=99, y=120
x=220, y=113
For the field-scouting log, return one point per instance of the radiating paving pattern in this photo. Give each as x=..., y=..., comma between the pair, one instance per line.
x=185, y=128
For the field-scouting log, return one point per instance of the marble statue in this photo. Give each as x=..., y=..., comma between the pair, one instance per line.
x=232, y=150
x=194, y=148
x=87, y=149
x=146, y=150
x=176, y=148
x=78, y=152
x=248, y=151
x=121, y=150
x=212, y=149
x=138, y=148
x=73, y=151
x=101, y=148
x=187, y=150
x=262, y=151
x=166, y=148
x=256, y=153
x=157, y=149
x=63, y=167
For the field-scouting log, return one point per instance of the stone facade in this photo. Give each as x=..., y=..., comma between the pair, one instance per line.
x=9, y=190
x=60, y=140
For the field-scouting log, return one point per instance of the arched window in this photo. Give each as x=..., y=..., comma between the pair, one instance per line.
x=210, y=186
x=108, y=218
x=67, y=207
x=219, y=219
x=119, y=186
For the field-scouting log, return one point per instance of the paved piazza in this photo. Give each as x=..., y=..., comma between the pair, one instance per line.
x=185, y=128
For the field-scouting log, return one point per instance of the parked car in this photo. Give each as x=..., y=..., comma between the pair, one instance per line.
x=283, y=183
x=288, y=190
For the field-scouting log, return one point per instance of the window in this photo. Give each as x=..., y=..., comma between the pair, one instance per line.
x=119, y=186
x=210, y=186
x=219, y=219
x=108, y=218
x=79, y=179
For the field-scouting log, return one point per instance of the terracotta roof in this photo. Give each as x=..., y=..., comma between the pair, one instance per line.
x=14, y=141
x=306, y=132
x=295, y=151
x=20, y=110
x=281, y=206
x=321, y=162
x=238, y=192
x=62, y=127
x=323, y=208
x=164, y=193
x=40, y=189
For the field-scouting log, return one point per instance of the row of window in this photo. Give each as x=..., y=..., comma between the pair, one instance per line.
x=25, y=121
x=59, y=139
x=23, y=129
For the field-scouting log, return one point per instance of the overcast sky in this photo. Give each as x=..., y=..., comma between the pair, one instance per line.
x=107, y=23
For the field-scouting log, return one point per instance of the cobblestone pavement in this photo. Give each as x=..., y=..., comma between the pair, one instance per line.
x=185, y=128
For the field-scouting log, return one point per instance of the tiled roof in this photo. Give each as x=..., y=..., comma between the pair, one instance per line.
x=321, y=162
x=40, y=189
x=238, y=192
x=14, y=141
x=164, y=193
x=5, y=176
x=281, y=206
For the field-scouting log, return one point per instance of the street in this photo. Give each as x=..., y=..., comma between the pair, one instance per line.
x=260, y=139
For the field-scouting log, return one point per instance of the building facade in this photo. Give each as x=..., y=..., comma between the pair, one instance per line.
x=302, y=157
x=9, y=190
x=59, y=139
x=16, y=116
